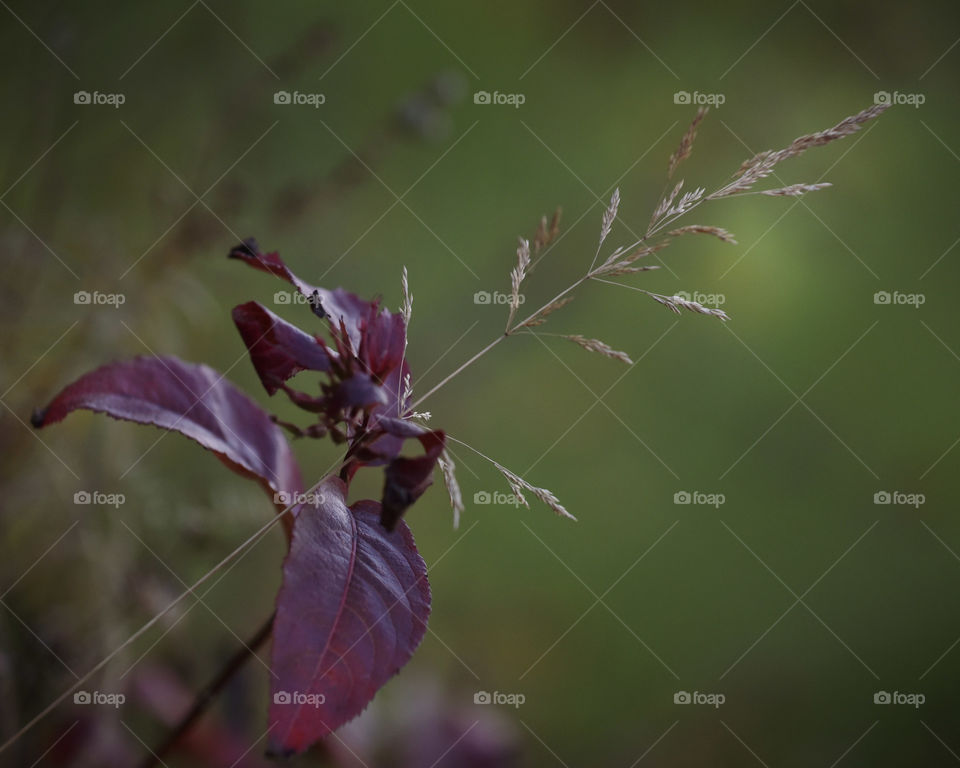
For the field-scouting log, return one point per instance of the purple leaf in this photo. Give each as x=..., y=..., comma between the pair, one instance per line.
x=338, y=305
x=193, y=400
x=278, y=349
x=352, y=609
x=407, y=479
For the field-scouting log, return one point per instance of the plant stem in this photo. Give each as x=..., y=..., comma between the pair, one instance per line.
x=501, y=337
x=206, y=695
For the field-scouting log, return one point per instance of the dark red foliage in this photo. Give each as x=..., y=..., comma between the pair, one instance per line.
x=354, y=601
x=193, y=400
x=352, y=609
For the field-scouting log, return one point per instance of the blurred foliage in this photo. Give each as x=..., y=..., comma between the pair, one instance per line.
x=797, y=599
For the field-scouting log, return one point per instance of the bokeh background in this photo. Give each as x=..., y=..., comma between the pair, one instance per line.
x=797, y=599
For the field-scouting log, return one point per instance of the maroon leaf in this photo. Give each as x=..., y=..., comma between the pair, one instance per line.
x=193, y=400
x=278, y=349
x=352, y=609
x=338, y=305
x=408, y=478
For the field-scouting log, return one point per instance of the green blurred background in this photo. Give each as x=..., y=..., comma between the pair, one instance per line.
x=809, y=402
